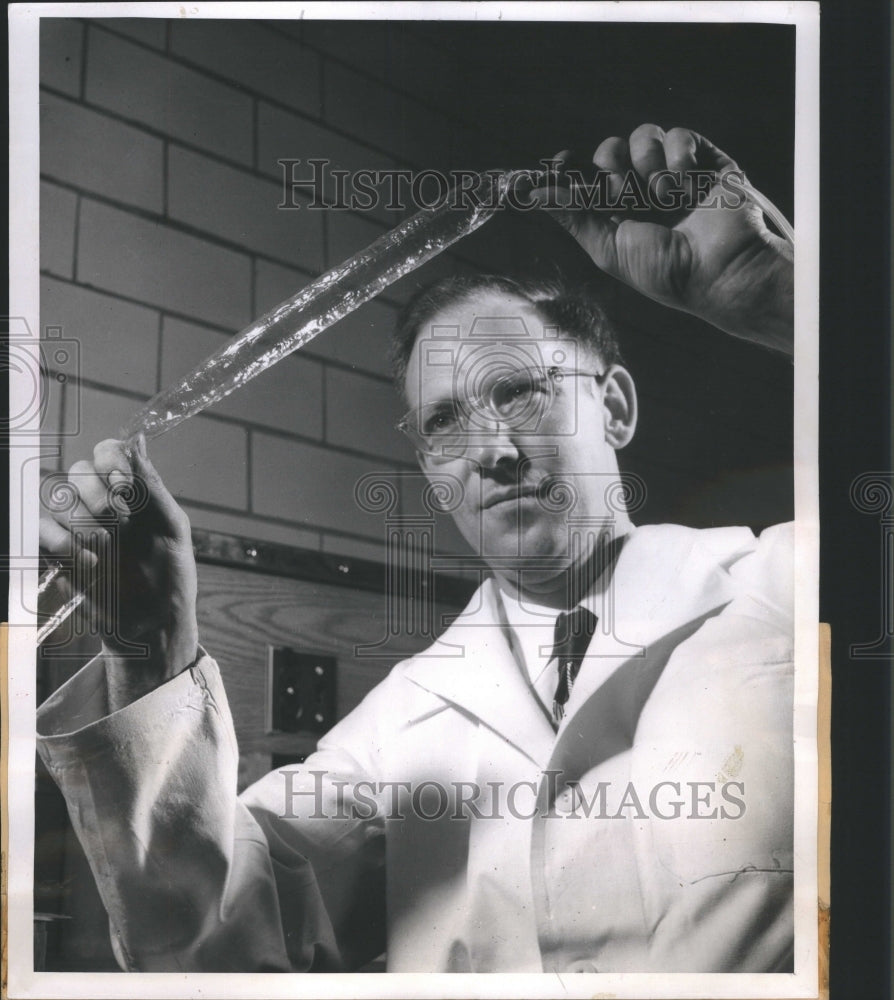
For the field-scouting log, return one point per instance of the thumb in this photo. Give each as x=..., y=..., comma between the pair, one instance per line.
x=594, y=231
x=555, y=199
x=558, y=202
x=150, y=492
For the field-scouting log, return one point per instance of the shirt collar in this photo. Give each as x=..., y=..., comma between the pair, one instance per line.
x=529, y=626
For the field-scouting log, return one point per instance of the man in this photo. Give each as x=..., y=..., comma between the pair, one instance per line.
x=591, y=770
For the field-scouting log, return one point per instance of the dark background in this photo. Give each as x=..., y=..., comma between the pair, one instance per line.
x=714, y=442
x=855, y=437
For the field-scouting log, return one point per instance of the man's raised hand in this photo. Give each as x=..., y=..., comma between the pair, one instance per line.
x=711, y=256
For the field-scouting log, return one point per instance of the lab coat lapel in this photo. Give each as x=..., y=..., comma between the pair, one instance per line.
x=472, y=666
x=664, y=586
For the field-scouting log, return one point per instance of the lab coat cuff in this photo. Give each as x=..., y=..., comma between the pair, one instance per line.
x=74, y=722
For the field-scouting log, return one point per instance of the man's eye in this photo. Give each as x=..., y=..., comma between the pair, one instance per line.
x=514, y=391
x=439, y=422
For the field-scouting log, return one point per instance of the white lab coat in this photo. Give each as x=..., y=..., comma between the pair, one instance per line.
x=687, y=680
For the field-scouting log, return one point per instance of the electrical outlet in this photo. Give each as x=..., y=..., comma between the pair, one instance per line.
x=301, y=691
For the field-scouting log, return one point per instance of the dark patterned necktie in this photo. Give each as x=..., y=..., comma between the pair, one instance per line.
x=574, y=630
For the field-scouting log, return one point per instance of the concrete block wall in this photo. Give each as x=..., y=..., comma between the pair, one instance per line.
x=161, y=236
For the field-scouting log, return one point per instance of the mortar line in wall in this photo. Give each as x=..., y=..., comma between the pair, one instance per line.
x=158, y=353
x=76, y=235
x=249, y=465
x=255, y=135
x=253, y=287
x=165, y=177
x=321, y=80
x=210, y=325
x=201, y=507
x=324, y=384
x=214, y=508
x=325, y=226
x=82, y=82
x=324, y=231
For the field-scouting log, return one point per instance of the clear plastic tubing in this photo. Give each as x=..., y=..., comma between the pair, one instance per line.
x=295, y=322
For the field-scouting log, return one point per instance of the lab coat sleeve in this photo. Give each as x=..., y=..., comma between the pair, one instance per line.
x=192, y=877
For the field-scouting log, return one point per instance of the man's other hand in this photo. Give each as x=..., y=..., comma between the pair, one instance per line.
x=130, y=537
x=703, y=247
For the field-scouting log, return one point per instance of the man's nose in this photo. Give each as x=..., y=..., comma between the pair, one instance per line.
x=491, y=443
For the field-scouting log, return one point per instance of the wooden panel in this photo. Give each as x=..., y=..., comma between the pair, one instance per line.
x=242, y=612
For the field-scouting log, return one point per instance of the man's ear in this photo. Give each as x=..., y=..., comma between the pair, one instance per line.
x=621, y=410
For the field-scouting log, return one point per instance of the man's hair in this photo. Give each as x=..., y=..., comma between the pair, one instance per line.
x=571, y=308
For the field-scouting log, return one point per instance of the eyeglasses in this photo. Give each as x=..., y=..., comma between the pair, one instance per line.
x=521, y=400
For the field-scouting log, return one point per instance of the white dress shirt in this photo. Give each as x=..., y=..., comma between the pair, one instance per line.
x=530, y=629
